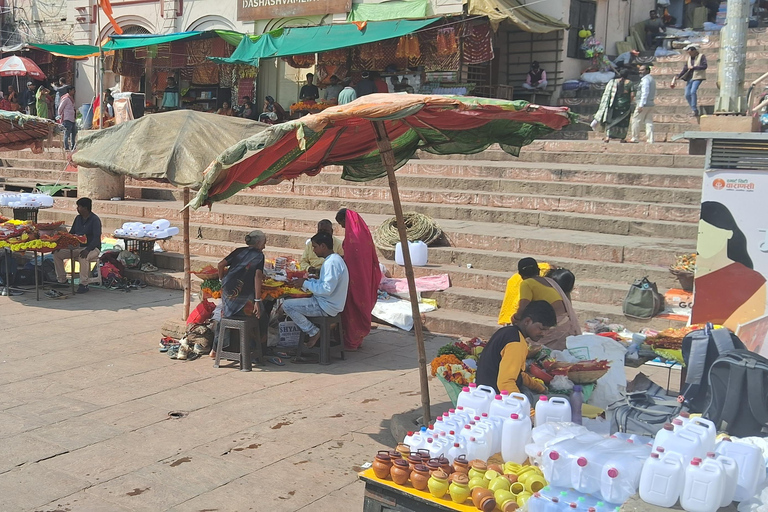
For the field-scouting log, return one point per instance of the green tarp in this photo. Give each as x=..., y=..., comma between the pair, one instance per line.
x=234, y=38
x=140, y=41
x=393, y=10
x=303, y=40
x=74, y=51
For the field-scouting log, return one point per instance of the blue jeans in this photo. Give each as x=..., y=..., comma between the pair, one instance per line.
x=70, y=134
x=299, y=309
x=690, y=94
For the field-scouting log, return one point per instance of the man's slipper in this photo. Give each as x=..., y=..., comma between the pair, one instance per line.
x=308, y=359
x=276, y=361
x=311, y=342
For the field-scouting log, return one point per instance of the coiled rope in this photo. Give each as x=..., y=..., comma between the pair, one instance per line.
x=418, y=227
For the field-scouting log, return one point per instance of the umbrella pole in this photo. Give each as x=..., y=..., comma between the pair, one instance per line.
x=187, y=265
x=388, y=159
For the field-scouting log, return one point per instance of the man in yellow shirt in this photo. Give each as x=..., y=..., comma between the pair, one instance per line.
x=502, y=362
x=312, y=262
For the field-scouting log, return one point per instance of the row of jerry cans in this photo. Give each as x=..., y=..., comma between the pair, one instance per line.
x=555, y=499
x=591, y=464
x=732, y=472
x=477, y=400
x=505, y=428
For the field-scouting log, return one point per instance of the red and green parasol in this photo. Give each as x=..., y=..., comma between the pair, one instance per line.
x=372, y=137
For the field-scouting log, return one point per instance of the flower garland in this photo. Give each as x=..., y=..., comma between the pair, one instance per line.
x=457, y=373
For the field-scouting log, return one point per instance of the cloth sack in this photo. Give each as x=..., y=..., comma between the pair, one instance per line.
x=610, y=386
x=200, y=334
x=643, y=300
x=129, y=259
x=202, y=313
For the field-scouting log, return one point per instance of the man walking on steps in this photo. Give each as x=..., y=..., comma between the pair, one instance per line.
x=644, y=107
x=694, y=72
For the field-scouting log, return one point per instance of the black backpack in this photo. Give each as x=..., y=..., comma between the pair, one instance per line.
x=738, y=382
x=700, y=349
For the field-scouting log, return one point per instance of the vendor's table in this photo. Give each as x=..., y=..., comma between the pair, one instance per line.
x=386, y=495
x=144, y=246
x=72, y=260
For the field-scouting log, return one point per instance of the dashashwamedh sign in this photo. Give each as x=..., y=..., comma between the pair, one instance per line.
x=250, y=10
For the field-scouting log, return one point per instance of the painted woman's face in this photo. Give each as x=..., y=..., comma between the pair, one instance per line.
x=712, y=240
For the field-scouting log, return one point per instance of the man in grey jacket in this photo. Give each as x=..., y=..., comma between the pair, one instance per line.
x=644, y=106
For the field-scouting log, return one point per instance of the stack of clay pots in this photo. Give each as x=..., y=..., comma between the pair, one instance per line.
x=506, y=487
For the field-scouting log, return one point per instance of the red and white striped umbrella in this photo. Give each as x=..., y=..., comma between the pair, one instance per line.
x=20, y=66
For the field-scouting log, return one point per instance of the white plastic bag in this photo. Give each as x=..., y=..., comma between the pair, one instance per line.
x=610, y=386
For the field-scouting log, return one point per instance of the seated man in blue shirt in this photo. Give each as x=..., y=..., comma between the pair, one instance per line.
x=329, y=291
x=86, y=223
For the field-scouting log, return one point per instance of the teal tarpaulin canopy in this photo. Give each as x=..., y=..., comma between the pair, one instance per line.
x=303, y=40
x=75, y=51
x=142, y=40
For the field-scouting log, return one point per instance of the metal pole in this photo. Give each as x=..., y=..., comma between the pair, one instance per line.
x=388, y=159
x=187, y=264
x=733, y=56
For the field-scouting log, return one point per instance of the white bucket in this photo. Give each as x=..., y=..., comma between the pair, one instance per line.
x=418, y=252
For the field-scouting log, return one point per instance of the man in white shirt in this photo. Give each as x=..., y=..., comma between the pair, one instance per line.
x=329, y=291
x=644, y=107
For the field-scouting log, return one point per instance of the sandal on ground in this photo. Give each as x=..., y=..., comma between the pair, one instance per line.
x=607, y=139
x=306, y=359
x=276, y=361
x=148, y=267
x=54, y=294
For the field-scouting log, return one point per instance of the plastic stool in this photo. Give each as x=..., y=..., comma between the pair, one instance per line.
x=245, y=326
x=324, y=323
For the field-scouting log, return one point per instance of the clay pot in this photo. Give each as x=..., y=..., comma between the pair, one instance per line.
x=420, y=477
x=400, y=471
x=497, y=468
x=502, y=497
x=424, y=454
x=394, y=454
x=512, y=478
x=433, y=464
x=483, y=499
x=523, y=498
x=459, y=488
x=404, y=450
x=477, y=468
x=445, y=465
x=413, y=459
x=382, y=464
x=460, y=465
x=509, y=506
x=438, y=483
x=500, y=482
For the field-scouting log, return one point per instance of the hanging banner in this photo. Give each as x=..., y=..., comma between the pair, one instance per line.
x=732, y=261
x=251, y=10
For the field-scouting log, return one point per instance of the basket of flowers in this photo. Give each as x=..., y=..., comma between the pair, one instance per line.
x=683, y=269
x=207, y=272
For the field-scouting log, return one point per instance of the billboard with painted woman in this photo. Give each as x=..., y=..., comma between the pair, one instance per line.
x=732, y=262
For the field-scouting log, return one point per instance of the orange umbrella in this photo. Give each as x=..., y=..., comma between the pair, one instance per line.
x=20, y=66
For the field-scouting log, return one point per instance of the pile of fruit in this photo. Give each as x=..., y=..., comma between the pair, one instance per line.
x=211, y=288
x=207, y=272
x=684, y=264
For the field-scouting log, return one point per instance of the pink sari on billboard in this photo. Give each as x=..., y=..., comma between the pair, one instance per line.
x=364, y=277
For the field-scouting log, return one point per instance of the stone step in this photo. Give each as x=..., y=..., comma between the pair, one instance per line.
x=672, y=113
x=650, y=160
x=33, y=163
x=527, y=171
x=39, y=175
x=593, y=147
x=629, y=202
x=291, y=228
x=47, y=154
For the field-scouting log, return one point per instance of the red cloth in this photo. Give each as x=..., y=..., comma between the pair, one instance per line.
x=364, y=277
x=720, y=293
x=478, y=45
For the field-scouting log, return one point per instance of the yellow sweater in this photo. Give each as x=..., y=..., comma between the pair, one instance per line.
x=310, y=259
x=512, y=295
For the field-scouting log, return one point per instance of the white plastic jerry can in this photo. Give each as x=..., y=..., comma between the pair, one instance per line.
x=515, y=435
x=552, y=410
x=702, y=488
x=749, y=459
x=661, y=480
x=730, y=472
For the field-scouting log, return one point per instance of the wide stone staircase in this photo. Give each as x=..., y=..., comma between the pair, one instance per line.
x=610, y=213
x=671, y=116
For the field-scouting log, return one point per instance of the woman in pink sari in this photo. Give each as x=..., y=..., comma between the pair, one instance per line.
x=364, y=277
